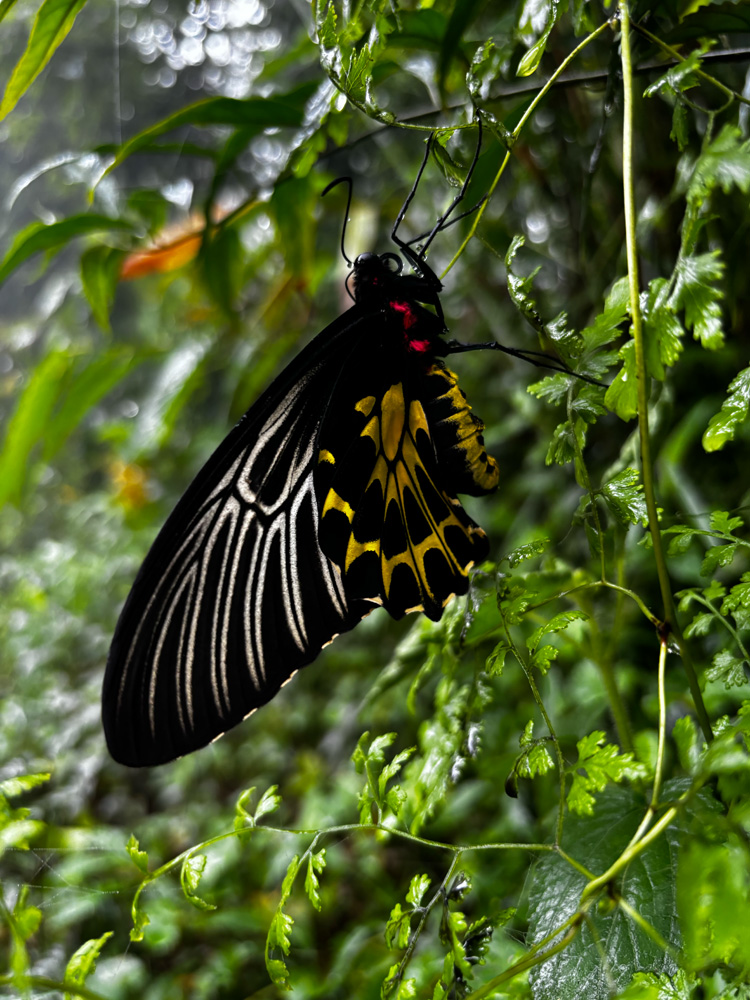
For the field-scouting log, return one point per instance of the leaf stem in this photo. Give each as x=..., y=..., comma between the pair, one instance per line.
x=647, y=468
x=630, y=852
x=535, y=957
x=648, y=929
x=731, y=94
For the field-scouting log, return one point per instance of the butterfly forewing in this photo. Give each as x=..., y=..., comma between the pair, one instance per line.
x=235, y=594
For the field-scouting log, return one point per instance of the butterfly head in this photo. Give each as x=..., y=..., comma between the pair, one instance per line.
x=373, y=274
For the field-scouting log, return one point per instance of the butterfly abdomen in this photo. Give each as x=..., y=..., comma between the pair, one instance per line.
x=458, y=435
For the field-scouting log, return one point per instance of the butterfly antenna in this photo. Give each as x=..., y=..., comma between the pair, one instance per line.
x=324, y=192
x=442, y=222
x=453, y=221
x=410, y=195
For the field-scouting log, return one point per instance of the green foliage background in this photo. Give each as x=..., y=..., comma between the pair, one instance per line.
x=546, y=793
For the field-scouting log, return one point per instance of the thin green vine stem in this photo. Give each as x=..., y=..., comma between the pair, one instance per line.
x=732, y=94
x=649, y=930
x=628, y=854
x=517, y=131
x=244, y=832
x=659, y=768
x=611, y=586
x=528, y=671
x=726, y=624
x=647, y=469
x=426, y=910
x=535, y=957
x=603, y=662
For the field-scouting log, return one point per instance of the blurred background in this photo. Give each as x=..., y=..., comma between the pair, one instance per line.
x=120, y=372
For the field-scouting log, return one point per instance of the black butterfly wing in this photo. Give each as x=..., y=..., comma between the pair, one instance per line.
x=235, y=594
x=392, y=459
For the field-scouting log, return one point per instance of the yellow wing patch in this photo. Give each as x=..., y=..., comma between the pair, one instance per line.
x=405, y=540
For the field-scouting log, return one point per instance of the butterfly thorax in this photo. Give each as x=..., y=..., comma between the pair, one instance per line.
x=379, y=285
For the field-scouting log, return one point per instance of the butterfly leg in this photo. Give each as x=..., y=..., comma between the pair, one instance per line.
x=532, y=357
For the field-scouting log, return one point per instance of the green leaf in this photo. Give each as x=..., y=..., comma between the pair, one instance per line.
x=26, y=919
x=713, y=893
x=326, y=25
x=191, y=873
x=528, y=18
x=520, y=288
x=87, y=384
x=278, y=940
x=243, y=818
x=623, y=495
x=315, y=865
x=622, y=395
x=679, y=131
x=536, y=758
x=100, y=272
x=496, y=660
x=53, y=21
x=83, y=961
x=136, y=855
x=724, y=163
x=543, y=658
x=727, y=668
x=718, y=555
x=688, y=742
x=39, y=236
x=599, y=764
x=250, y=113
x=700, y=624
x=532, y=57
x=5, y=7
x=291, y=874
x=463, y=13
x=398, y=926
x=662, y=329
x=486, y=66
x=562, y=446
x=391, y=770
x=678, y=78
x=527, y=551
x=417, y=888
x=21, y=924
x=537, y=761
x=722, y=425
x=558, y=623
x=647, y=986
x=11, y=787
x=269, y=802
x=737, y=602
x=608, y=948
x=140, y=921
x=722, y=521
x=606, y=326
x=695, y=291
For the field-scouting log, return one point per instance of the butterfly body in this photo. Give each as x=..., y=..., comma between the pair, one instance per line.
x=335, y=493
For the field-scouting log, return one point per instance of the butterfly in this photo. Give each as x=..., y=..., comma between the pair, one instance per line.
x=334, y=494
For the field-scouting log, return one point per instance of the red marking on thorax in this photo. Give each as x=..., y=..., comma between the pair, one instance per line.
x=408, y=319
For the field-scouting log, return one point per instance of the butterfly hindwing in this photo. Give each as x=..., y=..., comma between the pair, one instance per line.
x=390, y=463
